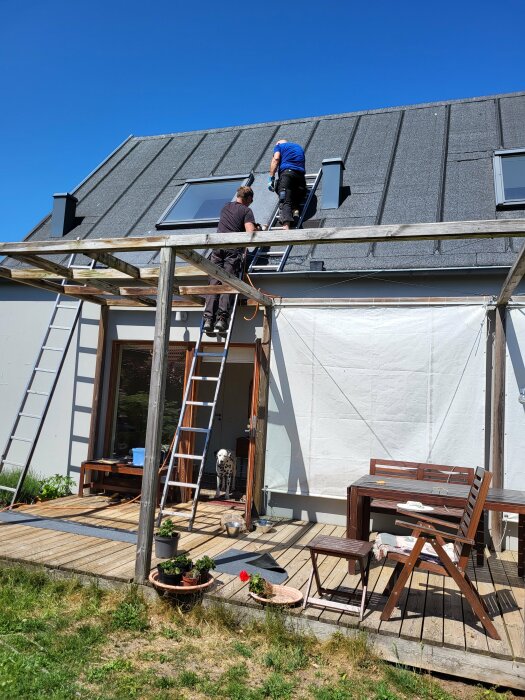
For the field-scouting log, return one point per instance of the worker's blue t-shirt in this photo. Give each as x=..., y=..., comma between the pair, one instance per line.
x=292, y=156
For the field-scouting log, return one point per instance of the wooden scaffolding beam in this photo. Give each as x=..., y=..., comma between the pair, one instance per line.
x=157, y=389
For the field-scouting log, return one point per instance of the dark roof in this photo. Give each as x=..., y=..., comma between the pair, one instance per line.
x=421, y=163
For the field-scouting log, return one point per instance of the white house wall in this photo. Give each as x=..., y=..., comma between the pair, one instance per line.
x=24, y=317
x=348, y=384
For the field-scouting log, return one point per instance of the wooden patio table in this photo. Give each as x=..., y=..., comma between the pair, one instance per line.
x=429, y=493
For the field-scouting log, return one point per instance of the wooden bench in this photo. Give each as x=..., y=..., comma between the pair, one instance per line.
x=440, y=473
x=108, y=467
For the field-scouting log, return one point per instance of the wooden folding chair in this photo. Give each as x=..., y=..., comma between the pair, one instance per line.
x=425, y=532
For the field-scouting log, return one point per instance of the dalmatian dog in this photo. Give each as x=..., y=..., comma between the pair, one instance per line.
x=225, y=466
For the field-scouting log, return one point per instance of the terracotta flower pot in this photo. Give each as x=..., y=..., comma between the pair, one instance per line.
x=190, y=580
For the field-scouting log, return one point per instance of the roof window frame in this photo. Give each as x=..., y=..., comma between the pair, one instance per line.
x=162, y=223
x=499, y=184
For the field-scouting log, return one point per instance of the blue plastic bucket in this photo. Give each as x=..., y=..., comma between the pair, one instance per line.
x=138, y=456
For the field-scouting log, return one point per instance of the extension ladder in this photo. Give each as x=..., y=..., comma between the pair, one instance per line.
x=181, y=429
x=30, y=416
x=279, y=254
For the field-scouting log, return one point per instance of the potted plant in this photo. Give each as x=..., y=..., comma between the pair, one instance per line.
x=258, y=585
x=166, y=540
x=204, y=565
x=183, y=562
x=169, y=572
x=191, y=577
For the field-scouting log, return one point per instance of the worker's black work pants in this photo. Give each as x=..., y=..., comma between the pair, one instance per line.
x=291, y=189
x=230, y=259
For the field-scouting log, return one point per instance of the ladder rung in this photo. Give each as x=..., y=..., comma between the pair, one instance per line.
x=200, y=403
x=273, y=252
x=29, y=415
x=13, y=464
x=205, y=379
x=60, y=328
x=265, y=267
x=183, y=483
x=21, y=439
x=181, y=513
x=38, y=393
x=66, y=306
x=7, y=488
x=42, y=369
x=179, y=454
x=210, y=354
x=48, y=347
x=189, y=429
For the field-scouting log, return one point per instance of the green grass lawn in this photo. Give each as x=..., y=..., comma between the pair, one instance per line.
x=60, y=640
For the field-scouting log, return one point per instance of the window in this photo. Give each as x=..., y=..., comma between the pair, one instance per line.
x=131, y=405
x=509, y=177
x=201, y=201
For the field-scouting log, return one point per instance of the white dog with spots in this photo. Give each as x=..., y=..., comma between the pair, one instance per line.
x=226, y=467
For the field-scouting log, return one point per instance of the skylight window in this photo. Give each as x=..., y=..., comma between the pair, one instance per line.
x=509, y=177
x=201, y=201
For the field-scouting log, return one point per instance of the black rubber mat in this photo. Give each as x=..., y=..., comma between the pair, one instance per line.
x=104, y=533
x=233, y=561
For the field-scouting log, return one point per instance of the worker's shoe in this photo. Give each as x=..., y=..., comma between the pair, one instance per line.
x=296, y=213
x=221, y=325
x=207, y=326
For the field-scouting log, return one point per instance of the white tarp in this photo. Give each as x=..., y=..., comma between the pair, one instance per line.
x=514, y=475
x=348, y=384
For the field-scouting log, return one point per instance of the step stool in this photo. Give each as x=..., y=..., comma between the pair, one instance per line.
x=342, y=548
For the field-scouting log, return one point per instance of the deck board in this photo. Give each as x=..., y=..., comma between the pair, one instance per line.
x=431, y=610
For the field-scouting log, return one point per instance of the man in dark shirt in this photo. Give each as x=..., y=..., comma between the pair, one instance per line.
x=235, y=216
x=288, y=160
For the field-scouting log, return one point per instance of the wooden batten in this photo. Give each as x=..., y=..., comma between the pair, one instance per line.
x=513, y=278
x=117, y=264
x=218, y=273
x=493, y=228
x=67, y=273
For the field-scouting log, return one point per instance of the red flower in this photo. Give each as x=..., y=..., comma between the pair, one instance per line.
x=244, y=576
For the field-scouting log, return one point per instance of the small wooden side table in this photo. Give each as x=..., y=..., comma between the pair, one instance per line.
x=342, y=548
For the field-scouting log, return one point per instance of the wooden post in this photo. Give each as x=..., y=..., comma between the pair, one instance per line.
x=262, y=409
x=98, y=381
x=498, y=417
x=155, y=411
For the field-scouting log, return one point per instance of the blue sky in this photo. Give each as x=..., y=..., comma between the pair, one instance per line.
x=77, y=78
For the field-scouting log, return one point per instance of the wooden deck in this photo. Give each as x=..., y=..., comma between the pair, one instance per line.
x=432, y=631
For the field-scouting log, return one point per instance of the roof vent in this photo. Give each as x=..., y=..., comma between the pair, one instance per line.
x=332, y=182
x=316, y=265
x=64, y=214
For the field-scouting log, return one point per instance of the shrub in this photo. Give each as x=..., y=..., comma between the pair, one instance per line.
x=29, y=491
x=167, y=529
x=56, y=486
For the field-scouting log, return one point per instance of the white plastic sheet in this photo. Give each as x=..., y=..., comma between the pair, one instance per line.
x=514, y=474
x=348, y=384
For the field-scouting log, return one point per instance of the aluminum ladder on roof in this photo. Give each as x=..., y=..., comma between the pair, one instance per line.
x=182, y=429
x=41, y=385
x=279, y=254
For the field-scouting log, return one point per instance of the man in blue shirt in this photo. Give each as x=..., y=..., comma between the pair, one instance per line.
x=288, y=162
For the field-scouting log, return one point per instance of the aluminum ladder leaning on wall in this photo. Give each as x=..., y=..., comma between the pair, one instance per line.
x=277, y=256
x=41, y=385
x=181, y=429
